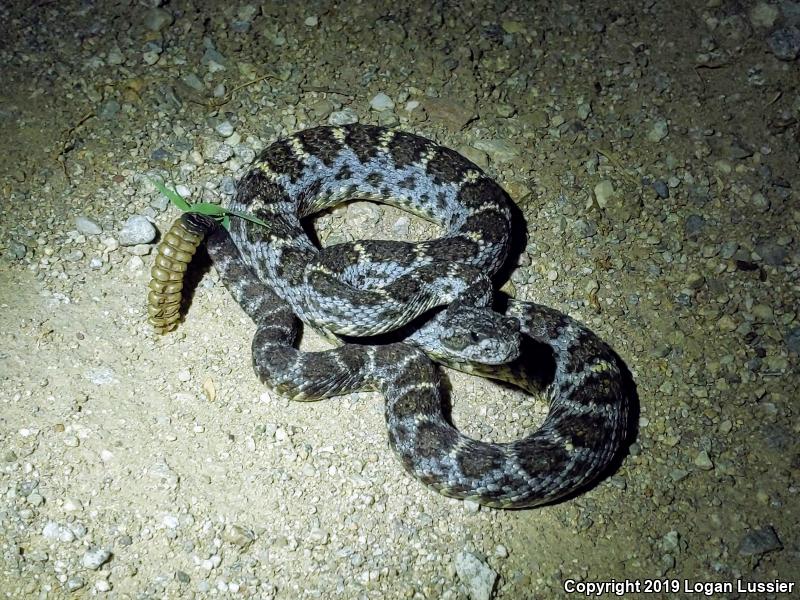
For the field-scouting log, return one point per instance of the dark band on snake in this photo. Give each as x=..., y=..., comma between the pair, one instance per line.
x=280, y=278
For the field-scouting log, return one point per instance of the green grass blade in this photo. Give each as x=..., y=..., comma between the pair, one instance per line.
x=172, y=195
x=247, y=217
x=204, y=208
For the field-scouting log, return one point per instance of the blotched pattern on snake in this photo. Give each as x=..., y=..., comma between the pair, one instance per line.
x=280, y=277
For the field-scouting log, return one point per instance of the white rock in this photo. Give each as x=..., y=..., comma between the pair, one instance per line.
x=115, y=56
x=136, y=230
x=603, y=192
x=170, y=521
x=87, y=225
x=401, y=226
x=72, y=505
x=659, y=131
x=471, y=506
x=318, y=536
x=343, y=117
x=476, y=576
x=95, y=557
x=381, y=102
x=703, y=461
x=225, y=129
x=51, y=530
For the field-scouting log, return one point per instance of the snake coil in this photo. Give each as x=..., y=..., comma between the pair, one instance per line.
x=173, y=256
x=266, y=269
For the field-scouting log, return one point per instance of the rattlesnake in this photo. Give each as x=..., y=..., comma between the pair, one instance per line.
x=364, y=288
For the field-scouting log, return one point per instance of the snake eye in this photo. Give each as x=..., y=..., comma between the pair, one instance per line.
x=474, y=337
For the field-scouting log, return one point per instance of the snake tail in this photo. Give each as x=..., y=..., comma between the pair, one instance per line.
x=173, y=256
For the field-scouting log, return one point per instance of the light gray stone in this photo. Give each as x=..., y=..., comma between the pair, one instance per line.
x=136, y=230
x=477, y=576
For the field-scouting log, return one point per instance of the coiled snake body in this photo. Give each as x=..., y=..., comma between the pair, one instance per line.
x=280, y=277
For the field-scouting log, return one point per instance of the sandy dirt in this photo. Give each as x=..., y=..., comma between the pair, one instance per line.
x=652, y=148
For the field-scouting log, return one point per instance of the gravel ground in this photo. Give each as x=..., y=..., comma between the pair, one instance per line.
x=652, y=148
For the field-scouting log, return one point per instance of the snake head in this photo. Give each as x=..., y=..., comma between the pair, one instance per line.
x=479, y=335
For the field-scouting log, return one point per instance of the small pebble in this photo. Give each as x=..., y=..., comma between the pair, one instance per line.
x=182, y=576
x=703, y=461
x=693, y=226
x=51, y=530
x=87, y=226
x=784, y=43
x=679, y=474
x=670, y=542
x=771, y=253
x=695, y=281
x=95, y=557
x=218, y=152
x=157, y=19
x=661, y=189
x=16, y=250
x=238, y=536
x=150, y=57
x=136, y=230
x=225, y=129
x=381, y=102
x=74, y=583
x=72, y=505
x=471, y=506
x=318, y=536
x=760, y=541
x=793, y=340
x=170, y=521
x=115, y=56
x=603, y=192
x=585, y=228
x=659, y=131
x=477, y=576
x=764, y=14
x=763, y=313
x=346, y=116
x=760, y=201
x=500, y=151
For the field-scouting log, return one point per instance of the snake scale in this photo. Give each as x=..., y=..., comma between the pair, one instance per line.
x=435, y=296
